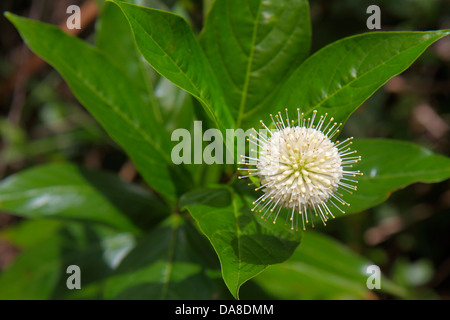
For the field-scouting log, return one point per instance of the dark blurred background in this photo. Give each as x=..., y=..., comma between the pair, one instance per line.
x=407, y=236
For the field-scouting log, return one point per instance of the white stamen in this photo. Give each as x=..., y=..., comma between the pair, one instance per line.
x=301, y=168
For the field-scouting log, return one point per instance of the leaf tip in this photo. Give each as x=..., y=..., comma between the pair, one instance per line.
x=13, y=18
x=8, y=15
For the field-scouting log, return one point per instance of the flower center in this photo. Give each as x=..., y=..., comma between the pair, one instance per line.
x=300, y=165
x=301, y=168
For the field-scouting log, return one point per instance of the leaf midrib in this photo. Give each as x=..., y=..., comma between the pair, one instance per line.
x=170, y=261
x=371, y=70
x=198, y=94
x=249, y=68
x=238, y=236
x=404, y=175
x=56, y=189
x=104, y=99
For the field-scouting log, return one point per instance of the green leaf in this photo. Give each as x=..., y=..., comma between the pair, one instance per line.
x=340, y=77
x=106, y=91
x=245, y=244
x=322, y=268
x=389, y=165
x=172, y=262
x=32, y=274
x=167, y=42
x=39, y=272
x=65, y=191
x=215, y=197
x=176, y=105
x=113, y=38
x=253, y=46
x=165, y=263
x=29, y=232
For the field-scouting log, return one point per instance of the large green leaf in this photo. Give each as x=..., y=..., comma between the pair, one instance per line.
x=113, y=38
x=322, y=268
x=389, y=165
x=245, y=244
x=340, y=77
x=253, y=45
x=39, y=272
x=65, y=191
x=33, y=274
x=107, y=92
x=165, y=263
x=176, y=105
x=167, y=42
x=172, y=262
x=29, y=232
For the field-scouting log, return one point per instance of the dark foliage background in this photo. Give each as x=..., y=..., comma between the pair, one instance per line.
x=407, y=236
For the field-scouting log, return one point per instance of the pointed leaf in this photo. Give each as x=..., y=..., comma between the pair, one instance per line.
x=389, y=165
x=113, y=38
x=253, y=46
x=340, y=77
x=39, y=272
x=105, y=90
x=322, y=268
x=65, y=191
x=168, y=263
x=167, y=42
x=245, y=244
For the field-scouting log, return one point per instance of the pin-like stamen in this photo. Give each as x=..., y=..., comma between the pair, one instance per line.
x=301, y=169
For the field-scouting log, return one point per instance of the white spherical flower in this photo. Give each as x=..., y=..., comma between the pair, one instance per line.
x=301, y=168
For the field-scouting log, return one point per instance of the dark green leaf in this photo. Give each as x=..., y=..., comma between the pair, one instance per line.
x=29, y=232
x=245, y=244
x=113, y=38
x=172, y=262
x=340, y=77
x=214, y=197
x=40, y=271
x=253, y=46
x=389, y=165
x=107, y=92
x=166, y=263
x=65, y=191
x=322, y=268
x=176, y=105
x=167, y=42
x=32, y=275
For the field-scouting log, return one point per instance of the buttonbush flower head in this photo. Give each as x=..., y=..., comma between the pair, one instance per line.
x=301, y=168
